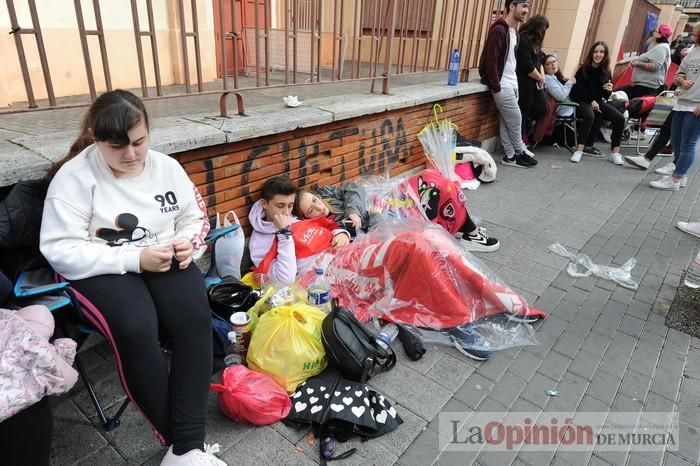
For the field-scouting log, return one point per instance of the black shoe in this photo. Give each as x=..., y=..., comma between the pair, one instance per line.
x=526, y=159
x=516, y=162
x=593, y=151
x=480, y=242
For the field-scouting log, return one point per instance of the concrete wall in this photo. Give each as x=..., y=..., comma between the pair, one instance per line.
x=229, y=176
x=567, y=32
x=62, y=41
x=613, y=22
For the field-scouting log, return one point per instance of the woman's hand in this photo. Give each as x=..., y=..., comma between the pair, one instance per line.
x=687, y=83
x=183, y=252
x=339, y=240
x=356, y=220
x=608, y=86
x=595, y=106
x=156, y=258
x=696, y=112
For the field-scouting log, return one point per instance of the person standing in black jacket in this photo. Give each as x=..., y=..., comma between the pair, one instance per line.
x=593, y=86
x=531, y=73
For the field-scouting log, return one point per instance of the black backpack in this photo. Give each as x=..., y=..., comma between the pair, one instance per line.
x=351, y=348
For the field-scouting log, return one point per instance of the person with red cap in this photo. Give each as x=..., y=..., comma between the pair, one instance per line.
x=650, y=68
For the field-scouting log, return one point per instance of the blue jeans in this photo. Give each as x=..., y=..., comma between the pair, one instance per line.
x=685, y=132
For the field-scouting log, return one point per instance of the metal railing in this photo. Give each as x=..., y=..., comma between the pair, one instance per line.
x=403, y=36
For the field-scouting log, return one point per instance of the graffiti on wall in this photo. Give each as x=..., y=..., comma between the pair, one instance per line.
x=380, y=149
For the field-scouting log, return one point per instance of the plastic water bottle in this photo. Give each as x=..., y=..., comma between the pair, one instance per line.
x=453, y=76
x=387, y=334
x=692, y=276
x=319, y=292
x=232, y=358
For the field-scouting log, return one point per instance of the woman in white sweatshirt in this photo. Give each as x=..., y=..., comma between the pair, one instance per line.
x=122, y=223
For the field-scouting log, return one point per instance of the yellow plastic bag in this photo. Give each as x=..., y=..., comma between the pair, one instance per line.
x=286, y=345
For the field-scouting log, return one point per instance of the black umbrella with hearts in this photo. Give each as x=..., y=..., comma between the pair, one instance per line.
x=340, y=407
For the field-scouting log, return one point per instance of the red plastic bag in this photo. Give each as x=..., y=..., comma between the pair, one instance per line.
x=250, y=397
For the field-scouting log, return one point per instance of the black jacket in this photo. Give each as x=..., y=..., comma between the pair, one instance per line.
x=20, y=224
x=527, y=61
x=589, y=86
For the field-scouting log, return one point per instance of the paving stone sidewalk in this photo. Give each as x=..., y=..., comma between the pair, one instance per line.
x=604, y=348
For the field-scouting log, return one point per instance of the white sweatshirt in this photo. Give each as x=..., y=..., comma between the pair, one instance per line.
x=95, y=223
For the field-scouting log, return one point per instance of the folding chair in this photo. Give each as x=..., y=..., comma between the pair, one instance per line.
x=568, y=123
x=44, y=286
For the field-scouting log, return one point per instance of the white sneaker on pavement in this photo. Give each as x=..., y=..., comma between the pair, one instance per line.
x=576, y=156
x=667, y=183
x=616, y=158
x=638, y=161
x=684, y=182
x=194, y=457
x=692, y=228
x=667, y=169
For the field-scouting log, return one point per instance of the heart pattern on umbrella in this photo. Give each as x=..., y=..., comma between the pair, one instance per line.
x=320, y=401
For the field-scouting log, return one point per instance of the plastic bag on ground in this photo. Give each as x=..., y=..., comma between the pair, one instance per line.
x=416, y=274
x=439, y=141
x=229, y=248
x=286, y=344
x=250, y=397
x=621, y=275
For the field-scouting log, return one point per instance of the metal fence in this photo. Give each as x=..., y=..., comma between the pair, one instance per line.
x=313, y=42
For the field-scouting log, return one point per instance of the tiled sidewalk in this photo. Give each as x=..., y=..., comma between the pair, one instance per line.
x=604, y=348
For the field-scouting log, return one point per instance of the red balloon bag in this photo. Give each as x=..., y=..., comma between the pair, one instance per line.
x=249, y=397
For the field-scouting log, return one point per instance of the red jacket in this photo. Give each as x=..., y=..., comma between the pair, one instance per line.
x=494, y=56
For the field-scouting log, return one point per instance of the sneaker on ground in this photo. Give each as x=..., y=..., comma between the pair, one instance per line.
x=514, y=162
x=194, y=457
x=592, y=151
x=576, y=156
x=526, y=158
x=692, y=228
x=666, y=183
x=528, y=152
x=667, y=169
x=523, y=318
x=480, y=242
x=470, y=343
x=638, y=161
x=616, y=158
x=684, y=182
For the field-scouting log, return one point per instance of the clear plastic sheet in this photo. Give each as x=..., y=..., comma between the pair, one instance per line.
x=416, y=274
x=439, y=141
x=390, y=199
x=621, y=275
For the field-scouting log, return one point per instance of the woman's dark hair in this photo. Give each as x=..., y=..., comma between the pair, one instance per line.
x=662, y=40
x=604, y=66
x=560, y=77
x=109, y=119
x=534, y=30
x=280, y=184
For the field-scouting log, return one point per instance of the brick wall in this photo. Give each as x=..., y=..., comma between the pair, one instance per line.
x=229, y=176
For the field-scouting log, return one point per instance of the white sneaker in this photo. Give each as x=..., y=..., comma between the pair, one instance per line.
x=638, y=161
x=692, y=228
x=527, y=151
x=616, y=158
x=667, y=169
x=667, y=183
x=194, y=457
x=684, y=182
x=576, y=156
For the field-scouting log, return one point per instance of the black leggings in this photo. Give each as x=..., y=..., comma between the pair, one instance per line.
x=25, y=438
x=662, y=139
x=590, y=126
x=468, y=226
x=128, y=310
x=533, y=106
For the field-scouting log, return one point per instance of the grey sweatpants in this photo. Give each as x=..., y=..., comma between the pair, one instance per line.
x=510, y=121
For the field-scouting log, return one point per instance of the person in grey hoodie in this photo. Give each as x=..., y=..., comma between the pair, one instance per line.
x=650, y=68
x=685, y=129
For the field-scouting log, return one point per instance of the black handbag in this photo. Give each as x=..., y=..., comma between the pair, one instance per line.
x=230, y=295
x=351, y=348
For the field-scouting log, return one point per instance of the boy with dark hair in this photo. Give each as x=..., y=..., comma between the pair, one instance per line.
x=497, y=70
